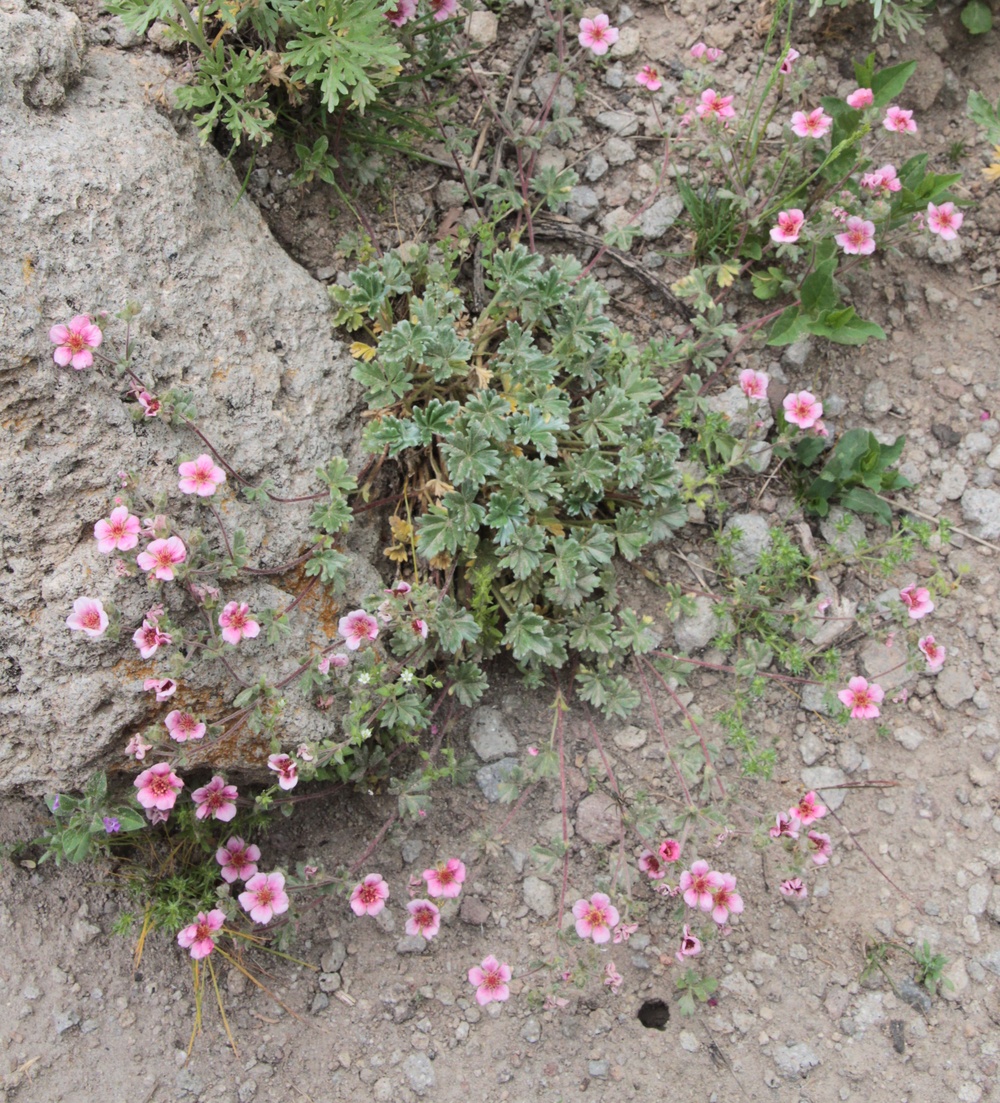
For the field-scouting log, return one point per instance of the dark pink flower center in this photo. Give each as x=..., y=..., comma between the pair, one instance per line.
x=237, y=619
x=215, y=800
x=445, y=875
x=699, y=883
x=202, y=931
x=596, y=917
x=91, y=619
x=76, y=342
x=721, y=897
x=369, y=894
x=423, y=917
x=159, y=785
x=861, y=698
x=265, y=896
x=492, y=980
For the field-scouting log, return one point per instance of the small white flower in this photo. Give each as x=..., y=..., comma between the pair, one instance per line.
x=364, y=678
x=406, y=677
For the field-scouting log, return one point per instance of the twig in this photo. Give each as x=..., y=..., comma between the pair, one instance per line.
x=929, y=517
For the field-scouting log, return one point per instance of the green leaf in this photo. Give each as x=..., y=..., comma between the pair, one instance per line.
x=437, y=533
x=888, y=83
x=844, y=327
x=808, y=450
x=767, y=285
x=817, y=292
x=631, y=533
x=524, y=553
x=470, y=456
x=454, y=625
x=527, y=635
x=984, y=114
x=977, y=17
x=788, y=327
x=468, y=682
x=859, y=500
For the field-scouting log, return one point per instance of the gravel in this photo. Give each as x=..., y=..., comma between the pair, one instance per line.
x=419, y=1073
x=981, y=508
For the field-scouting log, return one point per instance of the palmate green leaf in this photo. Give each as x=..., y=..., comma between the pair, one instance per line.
x=384, y=381
x=437, y=533
x=589, y=469
x=468, y=683
x=137, y=15
x=219, y=91
x=527, y=635
x=634, y=633
x=506, y=515
x=524, y=552
x=591, y=629
x=491, y=412
x=530, y=479
x=532, y=428
x=454, y=625
x=613, y=694
x=631, y=533
x=433, y=419
x=470, y=456
x=393, y=433
x=605, y=416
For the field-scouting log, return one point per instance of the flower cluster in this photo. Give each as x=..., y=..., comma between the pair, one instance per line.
x=405, y=10
x=793, y=826
x=708, y=890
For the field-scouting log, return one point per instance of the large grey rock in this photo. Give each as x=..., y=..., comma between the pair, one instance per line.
x=111, y=204
x=982, y=509
x=598, y=820
x=661, y=216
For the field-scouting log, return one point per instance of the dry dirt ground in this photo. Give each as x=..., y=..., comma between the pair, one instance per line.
x=791, y=1021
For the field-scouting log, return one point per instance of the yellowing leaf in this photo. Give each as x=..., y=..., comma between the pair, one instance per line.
x=361, y=351
x=402, y=530
x=992, y=173
x=727, y=273
x=483, y=377
x=440, y=562
x=397, y=553
x=437, y=488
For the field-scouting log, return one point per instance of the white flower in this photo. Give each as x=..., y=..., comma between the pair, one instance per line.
x=406, y=677
x=364, y=678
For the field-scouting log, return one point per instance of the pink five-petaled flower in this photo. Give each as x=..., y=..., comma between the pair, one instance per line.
x=726, y=900
x=786, y=61
x=236, y=623
x=649, y=78
x=612, y=978
x=715, y=106
x=813, y=125
x=419, y=628
x=164, y=688
x=786, y=826
x=158, y=787
x=789, y=225
x=216, y=800
x=445, y=879
x=200, y=935
x=202, y=476
x=690, y=946
x=76, y=342
x=138, y=746
x=238, y=860
x=819, y=847
x=899, y=120
x=754, y=383
x=698, y=51
x=882, y=181
x=286, y=769
x=860, y=98
x=120, y=532
x=597, y=35
x=808, y=810
x=698, y=884
x=265, y=897
x=669, y=850
x=490, y=978
x=402, y=13
x=917, y=601
x=944, y=220
x=369, y=896
x=802, y=409
x=793, y=887
x=338, y=662
x=858, y=239
x=933, y=652
x=88, y=616
x=442, y=9
x=161, y=556
x=182, y=726
x=149, y=402
x=651, y=865
x=595, y=917
x=861, y=698
x=425, y=919
x=357, y=626
x=149, y=638
x=624, y=931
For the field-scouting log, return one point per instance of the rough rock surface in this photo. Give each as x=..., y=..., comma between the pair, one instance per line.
x=95, y=221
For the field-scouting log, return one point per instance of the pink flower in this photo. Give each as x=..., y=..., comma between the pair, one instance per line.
x=200, y=935
x=369, y=896
x=860, y=98
x=793, y=887
x=649, y=78
x=202, y=476
x=861, y=698
x=670, y=850
x=899, y=120
x=813, y=125
x=338, y=662
x=161, y=556
x=822, y=606
x=698, y=884
x=802, y=409
x=808, y=810
x=533, y=751
x=624, y=931
x=162, y=687
x=944, y=220
x=419, y=628
x=595, y=917
x=917, y=601
x=820, y=847
x=236, y=623
x=882, y=181
x=597, y=35
x=786, y=826
x=265, y=897
x=425, y=919
x=786, y=61
x=216, y=799
x=789, y=226
x=612, y=978
x=285, y=767
x=443, y=8
x=690, y=946
x=304, y=753
x=402, y=13
x=357, y=626
x=714, y=105
x=445, y=879
x=933, y=652
x=88, y=616
x=149, y=639
x=158, y=787
x=238, y=859
x=150, y=403
x=182, y=726
x=698, y=51
x=138, y=747
x=120, y=532
x=754, y=383
x=859, y=237
x=726, y=900
x=399, y=589
x=76, y=342
x=154, y=527
x=155, y=816
x=651, y=865
x=490, y=978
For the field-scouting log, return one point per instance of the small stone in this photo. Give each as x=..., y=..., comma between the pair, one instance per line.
x=631, y=738
x=329, y=982
x=692, y=633
x=812, y=748
x=596, y=166
x=629, y=41
x=993, y=906
x=383, y=1090
x=482, y=27
x=531, y=1032
x=914, y=994
x=732, y=402
x=583, y=203
x=982, y=508
x=842, y=530
x=819, y=778
x=65, y=1020
x=954, y=480
x=979, y=895
x=490, y=735
x=877, y=401
x=539, y=896
x=795, y=1060
x=944, y=252
x=615, y=76
x=411, y=849
x=334, y=957
x=750, y=536
x=618, y=151
x=411, y=944
x=953, y=686
x=797, y=353
x=474, y=911
x=565, y=96
x=655, y=221
x=488, y=778
x=597, y=819
x=955, y=972
x=909, y=738
x=599, y=1069
x=321, y=1001
x=886, y=665
x=419, y=1073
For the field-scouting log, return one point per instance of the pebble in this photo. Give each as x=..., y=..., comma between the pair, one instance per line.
x=531, y=1032
x=842, y=530
x=618, y=151
x=490, y=735
x=334, y=957
x=565, y=96
x=599, y=1069
x=689, y=1043
x=488, y=778
x=886, y=665
x=411, y=850
x=953, y=686
x=795, y=1060
x=631, y=738
x=909, y=738
x=953, y=483
x=877, y=400
x=474, y=911
x=597, y=819
x=330, y=982
x=811, y=748
x=539, y=896
x=482, y=27
x=622, y=123
x=692, y=633
x=419, y=1073
x=321, y=1001
x=981, y=507
x=596, y=166
x=411, y=944
x=655, y=221
x=629, y=41
x=751, y=536
x=583, y=202
x=65, y=1020
x=817, y=777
